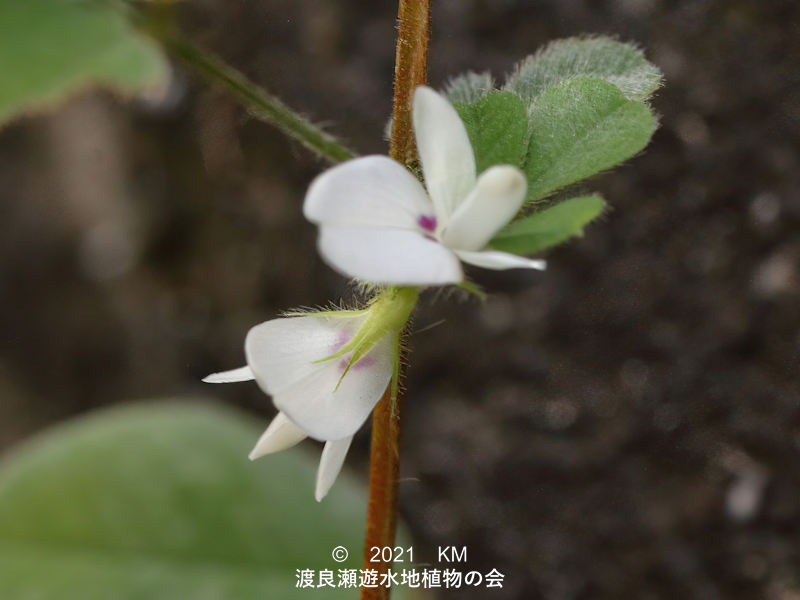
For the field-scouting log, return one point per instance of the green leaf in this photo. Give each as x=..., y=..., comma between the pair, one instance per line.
x=548, y=227
x=497, y=127
x=51, y=48
x=581, y=127
x=159, y=502
x=624, y=65
x=469, y=87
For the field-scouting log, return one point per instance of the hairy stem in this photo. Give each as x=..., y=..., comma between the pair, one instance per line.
x=410, y=71
x=254, y=98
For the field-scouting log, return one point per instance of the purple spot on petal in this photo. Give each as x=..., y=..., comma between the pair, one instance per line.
x=427, y=222
x=341, y=339
x=366, y=361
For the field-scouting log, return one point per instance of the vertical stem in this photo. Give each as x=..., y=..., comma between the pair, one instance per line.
x=410, y=71
x=384, y=463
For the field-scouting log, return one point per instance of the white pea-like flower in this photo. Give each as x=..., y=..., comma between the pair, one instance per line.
x=377, y=222
x=325, y=373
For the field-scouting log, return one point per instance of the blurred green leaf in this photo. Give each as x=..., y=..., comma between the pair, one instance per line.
x=159, y=502
x=548, y=227
x=581, y=127
x=497, y=127
x=469, y=87
x=51, y=48
x=621, y=64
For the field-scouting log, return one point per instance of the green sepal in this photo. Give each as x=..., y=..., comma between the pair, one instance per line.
x=386, y=315
x=497, y=127
x=324, y=313
x=548, y=227
x=394, y=383
x=473, y=289
x=581, y=127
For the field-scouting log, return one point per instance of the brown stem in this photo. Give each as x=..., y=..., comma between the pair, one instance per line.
x=384, y=463
x=410, y=71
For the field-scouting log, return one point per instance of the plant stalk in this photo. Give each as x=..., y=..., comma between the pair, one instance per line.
x=410, y=71
x=254, y=98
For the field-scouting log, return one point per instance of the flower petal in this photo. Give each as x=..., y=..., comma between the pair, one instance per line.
x=280, y=435
x=281, y=352
x=330, y=464
x=233, y=376
x=499, y=261
x=328, y=406
x=445, y=152
x=388, y=256
x=373, y=191
x=496, y=198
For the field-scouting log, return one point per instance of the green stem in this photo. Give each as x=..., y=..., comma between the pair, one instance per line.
x=258, y=102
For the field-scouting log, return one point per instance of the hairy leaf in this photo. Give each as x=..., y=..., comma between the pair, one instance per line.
x=548, y=227
x=469, y=87
x=497, y=127
x=581, y=127
x=624, y=65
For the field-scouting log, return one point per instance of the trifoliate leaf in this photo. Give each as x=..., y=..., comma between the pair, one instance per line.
x=597, y=57
x=497, y=127
x=50, y=48
x=580, y=127
x=469, y=87
x=548, y=227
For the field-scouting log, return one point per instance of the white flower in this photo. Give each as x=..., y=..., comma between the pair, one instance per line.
x=378, y=224
x=325, y=373
x=282, y=434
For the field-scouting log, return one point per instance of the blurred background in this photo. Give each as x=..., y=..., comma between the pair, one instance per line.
x=623, y=425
